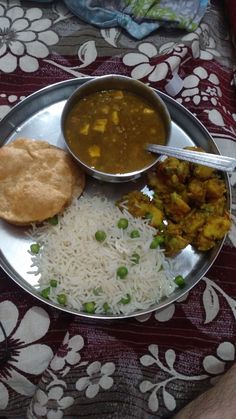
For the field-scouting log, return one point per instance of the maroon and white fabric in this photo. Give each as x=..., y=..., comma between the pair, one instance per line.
x=54, y=365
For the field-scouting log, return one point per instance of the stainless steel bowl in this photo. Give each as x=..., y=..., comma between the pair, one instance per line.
x=121, y=83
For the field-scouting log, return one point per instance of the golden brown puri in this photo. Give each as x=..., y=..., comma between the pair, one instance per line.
x=37, y=181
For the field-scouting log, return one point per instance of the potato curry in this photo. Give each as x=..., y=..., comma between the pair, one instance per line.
x=188, y=205
x=108, y=131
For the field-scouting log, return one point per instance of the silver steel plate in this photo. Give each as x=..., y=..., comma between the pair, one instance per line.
x=38, y=116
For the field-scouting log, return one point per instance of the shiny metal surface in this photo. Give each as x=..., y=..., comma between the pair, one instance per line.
x=224, y=163
x=38, y=116
x=120, y=83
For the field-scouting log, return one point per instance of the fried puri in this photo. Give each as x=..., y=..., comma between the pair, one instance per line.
x=37, y=181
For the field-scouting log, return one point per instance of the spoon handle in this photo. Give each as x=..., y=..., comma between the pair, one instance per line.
x=227, y=164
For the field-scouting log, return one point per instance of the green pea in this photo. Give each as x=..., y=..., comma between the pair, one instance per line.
x=35, y=248
x=126, y=300
x=106, y=307
x=149, y=215
x=89, y=307
x=97, y=291
x=134, y=234
x=100, y=235
x=160, y=239
x=53, y=220
x=180, y=281
x=123, y=223
x=135, y=258
x=45, y=292
x=156, y=242
x=62, y=299
x=161, y=226
x=53, y=283
x=122, y=272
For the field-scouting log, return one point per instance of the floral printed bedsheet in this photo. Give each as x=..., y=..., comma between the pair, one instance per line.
x=55, y=365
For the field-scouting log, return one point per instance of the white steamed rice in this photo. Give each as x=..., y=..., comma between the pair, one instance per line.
x=71, y=255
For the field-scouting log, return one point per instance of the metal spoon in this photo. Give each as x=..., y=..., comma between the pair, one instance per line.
x=227, y=164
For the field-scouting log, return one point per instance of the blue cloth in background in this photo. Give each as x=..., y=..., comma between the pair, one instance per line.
x=139, y=17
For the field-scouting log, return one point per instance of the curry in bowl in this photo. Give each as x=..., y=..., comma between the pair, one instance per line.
x=107, y=129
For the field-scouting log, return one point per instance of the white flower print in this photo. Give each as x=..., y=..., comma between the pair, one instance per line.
x=215, y=117
x=52, y=404
x=143, y=317
x=211, y=302
x=160, y=386
x=12, y=99
x=4, y=109
x=111, y=35
x=68, y=352
x=203, y=45
x=141, y=60
x=24, y=38
x=142, y=63
x=192, y=89
x=232, y=233
x=143, y=66
x=216, y=365
x=98, y=376
x=21, y=354
x=163, y=315
x=62, y=11
x=87, y=53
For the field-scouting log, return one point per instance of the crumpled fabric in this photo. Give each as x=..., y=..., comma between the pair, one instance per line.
x=139, y=17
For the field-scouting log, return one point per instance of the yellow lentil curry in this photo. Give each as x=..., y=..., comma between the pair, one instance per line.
x=108, y=131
